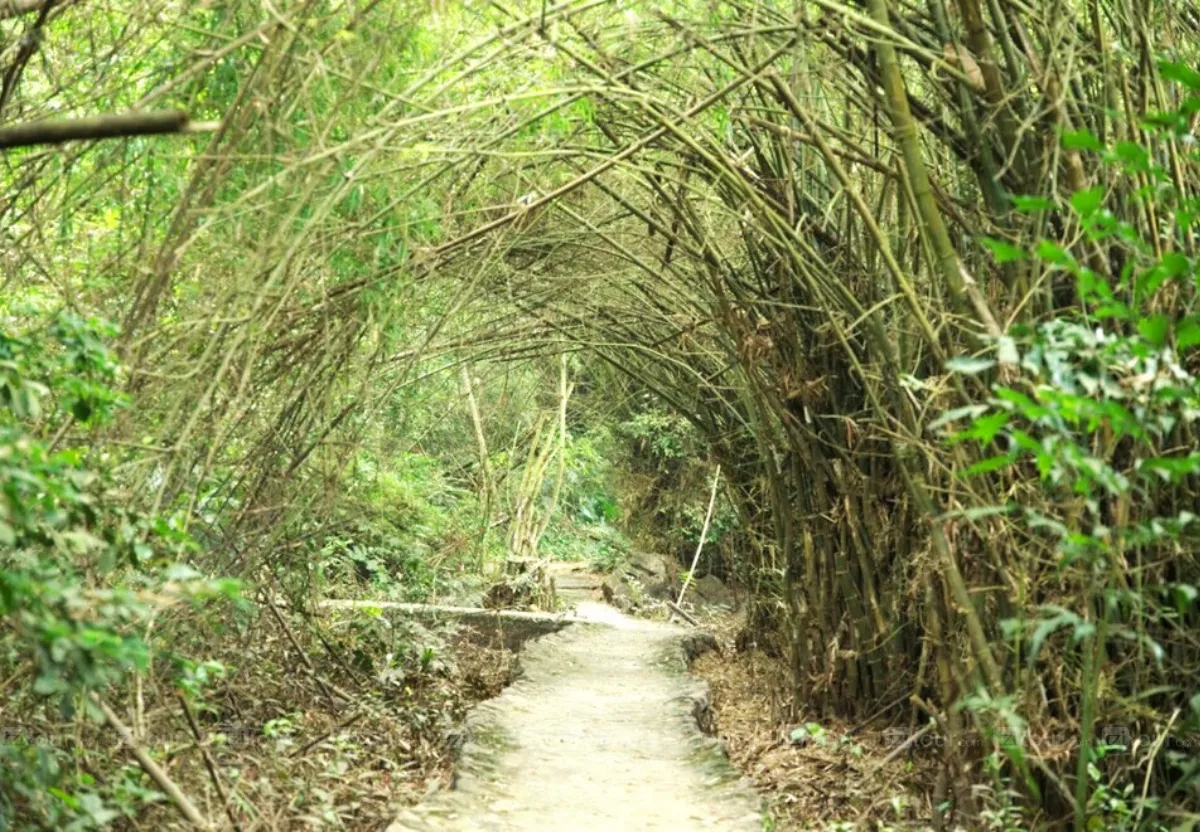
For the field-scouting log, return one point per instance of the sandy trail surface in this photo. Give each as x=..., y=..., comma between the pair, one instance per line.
x=599, y=733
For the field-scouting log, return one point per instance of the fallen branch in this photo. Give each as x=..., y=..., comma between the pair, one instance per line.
x=185, y=806
x=900, y=749
x=345, y=723
x=57, y=131
x=326, y=688
x=209, y=762
x=675, y=608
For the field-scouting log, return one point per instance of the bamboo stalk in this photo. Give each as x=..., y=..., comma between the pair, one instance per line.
x=153, y=769
x=712, y=501
x=485, y=467
x=122, y=125
x=914, y=161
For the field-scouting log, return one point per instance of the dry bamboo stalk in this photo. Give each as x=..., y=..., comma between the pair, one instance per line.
x=57, y=131
x=155, y=772
x=712, y=501
x=485, y=468
x=564, y=393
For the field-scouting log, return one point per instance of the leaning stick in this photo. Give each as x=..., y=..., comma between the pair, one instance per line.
x=712, y=499
x=57, y=131
x=678, y=610
x=185, y=806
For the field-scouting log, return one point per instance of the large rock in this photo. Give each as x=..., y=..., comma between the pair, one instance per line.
x=711, y=591
x=617, y=591
x=654, y=567
x=655, y=574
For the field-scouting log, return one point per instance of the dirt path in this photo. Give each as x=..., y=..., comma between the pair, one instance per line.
x=598, y=734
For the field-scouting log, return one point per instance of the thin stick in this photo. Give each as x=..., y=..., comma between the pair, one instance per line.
x=1150, y=758
x=209, y=762
x=326, y=688
x=678, y=610
x=484, y=466
x=57, y=131
x=898, y=750
x=345, y=723
x=185, y=806
x=712, y=500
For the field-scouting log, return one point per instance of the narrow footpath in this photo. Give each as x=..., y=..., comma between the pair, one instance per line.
x=599, y=734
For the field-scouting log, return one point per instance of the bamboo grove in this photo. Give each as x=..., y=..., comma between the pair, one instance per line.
x=819, y=230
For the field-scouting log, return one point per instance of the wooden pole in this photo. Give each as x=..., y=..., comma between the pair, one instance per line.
x=181, y=801
x=712, y=500
x=57, y=131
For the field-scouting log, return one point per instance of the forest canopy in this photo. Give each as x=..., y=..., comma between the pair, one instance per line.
x=315, y=298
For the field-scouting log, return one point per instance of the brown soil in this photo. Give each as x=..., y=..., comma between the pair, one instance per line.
x=344, y=744
x=838, y=776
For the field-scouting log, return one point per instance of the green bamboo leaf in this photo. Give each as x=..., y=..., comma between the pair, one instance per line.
x=1032, y=204
x=1003, y=252
x=1047, y=627
x=970, y=411
x=1081, y=140
x=1088, y=201
x=1180, y=74
x=986, y=466
x=985, y=428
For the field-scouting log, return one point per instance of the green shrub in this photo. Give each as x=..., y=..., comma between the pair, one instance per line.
x=80, y=573
x=1099, y=406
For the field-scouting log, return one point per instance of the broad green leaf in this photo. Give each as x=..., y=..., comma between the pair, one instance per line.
x=1002, y=251
x=1086, y=202
x=1176, y=264
x=1154, y=329
x=1133, y=156
x=1081, y=140
x=1180, y=74
x=1053, y=253
x=1187, y=334
x=1032, y=204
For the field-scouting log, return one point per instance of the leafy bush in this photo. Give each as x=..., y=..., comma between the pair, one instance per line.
x=1099, y=406
x=79, y=571
x=400, y=525
x=659, y=435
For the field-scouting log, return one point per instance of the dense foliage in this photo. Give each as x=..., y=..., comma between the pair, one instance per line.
x=420, y=288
